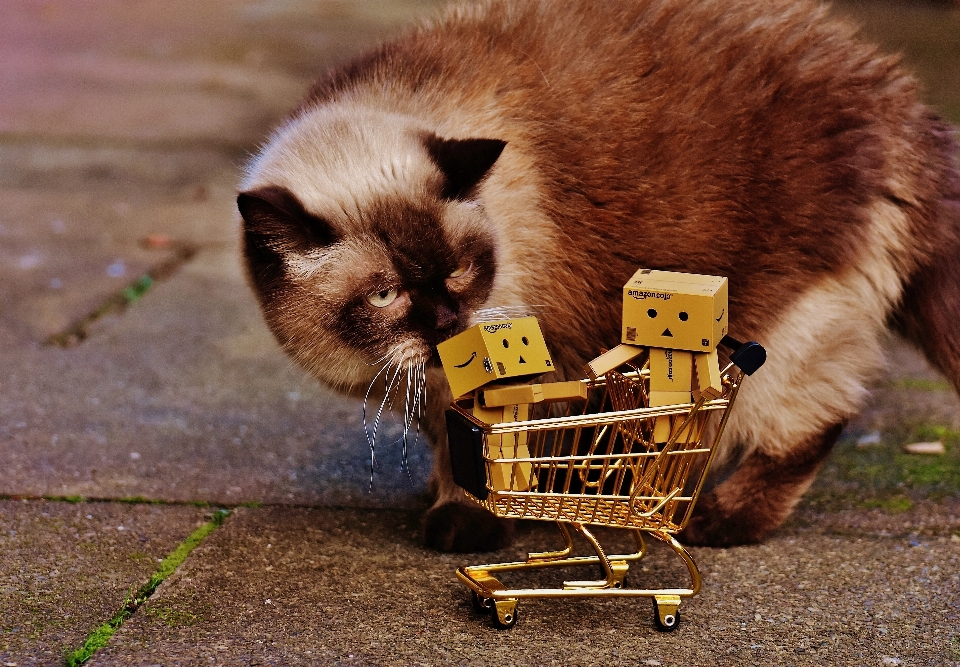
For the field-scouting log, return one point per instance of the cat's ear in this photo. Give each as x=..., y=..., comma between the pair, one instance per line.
x=463, y=162
x=275, y=216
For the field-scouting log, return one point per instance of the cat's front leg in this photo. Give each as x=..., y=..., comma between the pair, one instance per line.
x=759, y=495
x=454, y=522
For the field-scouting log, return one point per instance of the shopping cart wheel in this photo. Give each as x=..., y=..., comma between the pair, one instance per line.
x=666, y=614
x=504, y=614
x=480, y=603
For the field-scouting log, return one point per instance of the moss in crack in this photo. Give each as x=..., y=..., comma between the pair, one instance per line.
x=99, y=637
x=920, y=384
x=893, y=505
x=130, y=500
x=882, y=475
x=120, y=300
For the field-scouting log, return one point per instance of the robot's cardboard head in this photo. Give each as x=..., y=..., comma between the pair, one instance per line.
x=493, y=351
x=680, y=311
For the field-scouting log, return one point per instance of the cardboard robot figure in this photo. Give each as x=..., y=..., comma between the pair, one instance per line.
x=680, y=318
x=486, y=361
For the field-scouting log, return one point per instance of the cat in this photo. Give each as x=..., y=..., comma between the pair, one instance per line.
x=526, y=157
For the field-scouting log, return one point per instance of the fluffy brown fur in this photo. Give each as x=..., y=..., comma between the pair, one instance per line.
x=759, y=141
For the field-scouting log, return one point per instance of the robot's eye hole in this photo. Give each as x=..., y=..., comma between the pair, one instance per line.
x=525, y=340
x=506, y=343
x=684, y=317
x=652, y=313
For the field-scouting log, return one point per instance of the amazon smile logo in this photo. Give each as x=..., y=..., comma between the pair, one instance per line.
x=467, y=362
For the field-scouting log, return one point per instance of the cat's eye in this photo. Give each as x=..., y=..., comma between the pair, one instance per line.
x=462, y=270
x=383, y=298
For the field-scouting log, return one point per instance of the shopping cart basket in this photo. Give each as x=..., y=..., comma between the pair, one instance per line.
x=594, y=464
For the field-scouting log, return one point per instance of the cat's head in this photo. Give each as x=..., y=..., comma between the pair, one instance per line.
x=366, y=242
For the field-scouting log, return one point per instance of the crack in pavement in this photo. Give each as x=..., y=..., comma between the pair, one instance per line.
x=119, y=301
x=101, y=635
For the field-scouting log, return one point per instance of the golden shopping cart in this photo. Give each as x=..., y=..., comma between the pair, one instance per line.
x=593, y=462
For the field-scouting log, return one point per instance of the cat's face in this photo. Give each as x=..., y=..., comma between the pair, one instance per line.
x=359, y=264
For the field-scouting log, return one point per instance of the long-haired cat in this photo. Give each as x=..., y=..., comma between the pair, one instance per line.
x=525, y=157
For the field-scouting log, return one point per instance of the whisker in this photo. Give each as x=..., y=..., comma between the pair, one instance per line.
x=390, y=385
x=407, y=417
x=372, y=436
x=367, y=396
x=381, y=359
x=392, y=389
x=412, y=411
x=421, y=397
x=400, y=367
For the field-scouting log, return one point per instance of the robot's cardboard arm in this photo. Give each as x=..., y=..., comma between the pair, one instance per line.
x=612, y=359
x=533, y=393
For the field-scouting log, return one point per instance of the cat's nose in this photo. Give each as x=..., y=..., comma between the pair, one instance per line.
x=446, y=318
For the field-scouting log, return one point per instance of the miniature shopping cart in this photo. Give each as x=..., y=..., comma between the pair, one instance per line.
x=593, y=463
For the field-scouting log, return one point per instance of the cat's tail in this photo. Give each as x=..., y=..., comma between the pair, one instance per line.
x=929, y=314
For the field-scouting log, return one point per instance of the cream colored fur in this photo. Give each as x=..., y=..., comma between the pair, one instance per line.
x=325, y=157
x=823, y=350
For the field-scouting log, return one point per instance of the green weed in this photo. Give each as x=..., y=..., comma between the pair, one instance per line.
x=882, y=475
x=139, y=500
x=66, y=499
x=99, y=637
x=920, y=384
x=893, y=505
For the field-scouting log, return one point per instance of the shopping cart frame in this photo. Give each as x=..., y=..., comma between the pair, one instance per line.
x=646, y=514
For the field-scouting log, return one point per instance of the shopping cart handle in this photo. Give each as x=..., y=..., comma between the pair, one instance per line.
x=747, y=356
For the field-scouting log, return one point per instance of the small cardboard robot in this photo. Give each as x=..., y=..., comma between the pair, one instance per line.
x=487, y=360
x=680, y=318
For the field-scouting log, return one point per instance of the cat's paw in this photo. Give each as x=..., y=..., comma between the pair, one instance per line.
x=711, y=527
x=459, y=527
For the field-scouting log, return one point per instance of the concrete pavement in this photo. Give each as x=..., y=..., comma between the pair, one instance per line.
x=337, y=586
x=122, y=130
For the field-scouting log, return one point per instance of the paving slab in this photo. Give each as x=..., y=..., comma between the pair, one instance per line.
x=171, y=73
x=67, y=568
x=152, y=401
x=186, y=397
x=353, y=587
